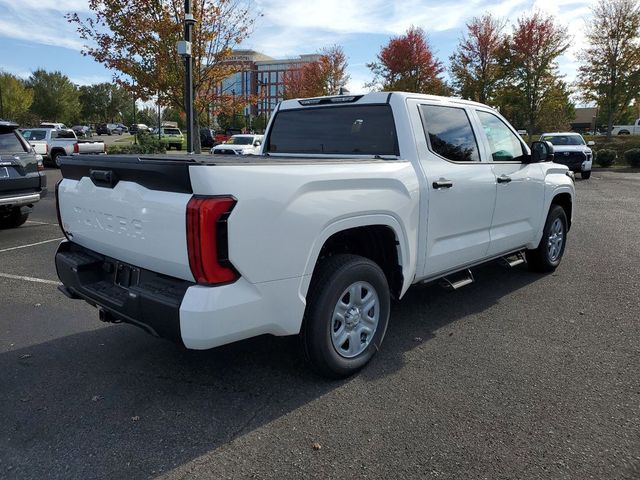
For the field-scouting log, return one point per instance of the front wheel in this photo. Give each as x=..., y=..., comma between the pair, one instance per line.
x=346, y=316
x=585, y=175
x=546, y=257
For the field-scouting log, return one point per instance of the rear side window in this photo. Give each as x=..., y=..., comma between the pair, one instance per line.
x=34, y=134
x=10, y=143
x=449, y=133
x=66, y=134
x=348, y=130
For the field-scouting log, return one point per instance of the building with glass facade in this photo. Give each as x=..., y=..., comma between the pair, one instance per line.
x=261, y=76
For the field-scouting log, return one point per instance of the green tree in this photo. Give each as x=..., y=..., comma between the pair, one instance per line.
x=15, y=97
x=55, y=97
x=104, y=102
x=475, y=65
x=530, y=65
x=610, y=70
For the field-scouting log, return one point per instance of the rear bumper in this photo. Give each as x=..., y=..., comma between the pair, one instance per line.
x=199, y=317
x=124, y=293
x=20, y=200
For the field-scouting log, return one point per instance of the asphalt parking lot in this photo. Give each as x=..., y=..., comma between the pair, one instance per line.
x=518, y=376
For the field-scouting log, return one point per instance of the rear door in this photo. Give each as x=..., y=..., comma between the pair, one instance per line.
x=18, y=164
x=520, y=185
x=461, y=187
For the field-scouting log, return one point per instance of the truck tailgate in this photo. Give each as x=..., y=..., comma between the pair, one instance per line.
x=88, y=146
x=129, y=210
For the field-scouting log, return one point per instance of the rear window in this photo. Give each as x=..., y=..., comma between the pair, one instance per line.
x=34, y=134
x=348, y=130
x=10, y=143
x=172, y=131
x=239, y=141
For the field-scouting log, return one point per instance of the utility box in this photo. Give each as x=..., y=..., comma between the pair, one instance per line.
x=184, y=48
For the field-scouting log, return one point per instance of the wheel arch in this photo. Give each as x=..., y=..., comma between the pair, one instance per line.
x=380, y=238
x=564, y=200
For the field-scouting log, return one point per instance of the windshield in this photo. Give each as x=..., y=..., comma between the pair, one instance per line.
x=564, y=139
x=240, y=140
x=34, y=134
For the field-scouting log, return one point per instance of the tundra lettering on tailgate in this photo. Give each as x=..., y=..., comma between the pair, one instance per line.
x=109, y=222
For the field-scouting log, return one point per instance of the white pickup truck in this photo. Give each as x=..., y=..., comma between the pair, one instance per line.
x=627, y=129
x=53, y=143
x=353, y=200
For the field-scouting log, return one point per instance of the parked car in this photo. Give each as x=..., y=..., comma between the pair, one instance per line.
x=627, y=129
x=139, y=128
x=22, y=179
x=122, y=127
x=572, y=151
x=109, y=129
x=52, y=143
x=57, y=126
x=82, y=131
x=353, y=200
x=246, y=144
x=171, y=137
x=207, y=138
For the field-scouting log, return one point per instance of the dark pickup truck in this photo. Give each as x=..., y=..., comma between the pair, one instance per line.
x=22, y=179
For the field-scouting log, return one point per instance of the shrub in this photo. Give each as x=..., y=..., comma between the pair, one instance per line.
x=606, y=158
x=146, y=144
x=632, y=157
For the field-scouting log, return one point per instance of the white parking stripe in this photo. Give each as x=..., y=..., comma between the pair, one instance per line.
x=29, y=279
x=31, y=244
x=40, y=223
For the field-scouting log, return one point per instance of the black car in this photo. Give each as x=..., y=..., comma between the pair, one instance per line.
x=22, y=178
x=207, y=138
x=104, y=129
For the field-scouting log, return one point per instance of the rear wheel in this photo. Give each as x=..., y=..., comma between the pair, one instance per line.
x=346, y=316
x=13, y=219
x=55, y=159
x=548, y=255
x=585, y=175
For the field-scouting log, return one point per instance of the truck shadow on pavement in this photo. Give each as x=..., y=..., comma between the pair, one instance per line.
x=117, y=403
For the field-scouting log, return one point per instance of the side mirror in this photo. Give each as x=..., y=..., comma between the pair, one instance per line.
x=257, y=143
x=541, y=152
x=591, y=143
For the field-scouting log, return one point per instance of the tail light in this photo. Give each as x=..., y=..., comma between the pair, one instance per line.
x=76, y=149
x=207, y=239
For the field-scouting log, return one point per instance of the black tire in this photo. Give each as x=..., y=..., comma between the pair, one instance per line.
x=54, y=159
x=178, y=147
x=541, y=259
x=14, y=219
x=585, y=175
x=328, y=287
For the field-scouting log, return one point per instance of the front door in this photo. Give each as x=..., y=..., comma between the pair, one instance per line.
x=520, y=187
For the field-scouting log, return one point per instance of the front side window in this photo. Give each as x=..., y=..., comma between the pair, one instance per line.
x=505, y=145
x=449, y=132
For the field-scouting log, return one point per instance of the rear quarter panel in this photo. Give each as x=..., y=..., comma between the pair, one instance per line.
x=285, y=212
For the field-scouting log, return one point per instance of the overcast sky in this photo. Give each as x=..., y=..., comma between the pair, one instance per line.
x=34, y=33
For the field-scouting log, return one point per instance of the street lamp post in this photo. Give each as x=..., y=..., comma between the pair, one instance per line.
x=184, y=50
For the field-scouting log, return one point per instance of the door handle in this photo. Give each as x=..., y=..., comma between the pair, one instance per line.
x=442, y=183
x=504, y=179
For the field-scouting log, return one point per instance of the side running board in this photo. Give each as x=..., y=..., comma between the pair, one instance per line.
x=457, y=280
x=513, y=260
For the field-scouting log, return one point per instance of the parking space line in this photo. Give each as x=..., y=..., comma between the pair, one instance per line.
x=40, y=223
x=31, y=244
x=29, y=279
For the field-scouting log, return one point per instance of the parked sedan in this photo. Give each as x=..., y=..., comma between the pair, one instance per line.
x=82, y=131
x=22, y=178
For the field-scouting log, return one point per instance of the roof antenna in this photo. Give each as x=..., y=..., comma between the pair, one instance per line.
x=343, y=91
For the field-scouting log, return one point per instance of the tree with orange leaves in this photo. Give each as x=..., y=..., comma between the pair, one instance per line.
x=137, y=41
x=407, y=63
x=323, y=77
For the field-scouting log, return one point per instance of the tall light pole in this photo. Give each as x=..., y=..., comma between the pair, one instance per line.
x=184, y=50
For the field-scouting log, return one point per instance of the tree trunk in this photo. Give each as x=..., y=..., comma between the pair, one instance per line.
x=197, y=147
